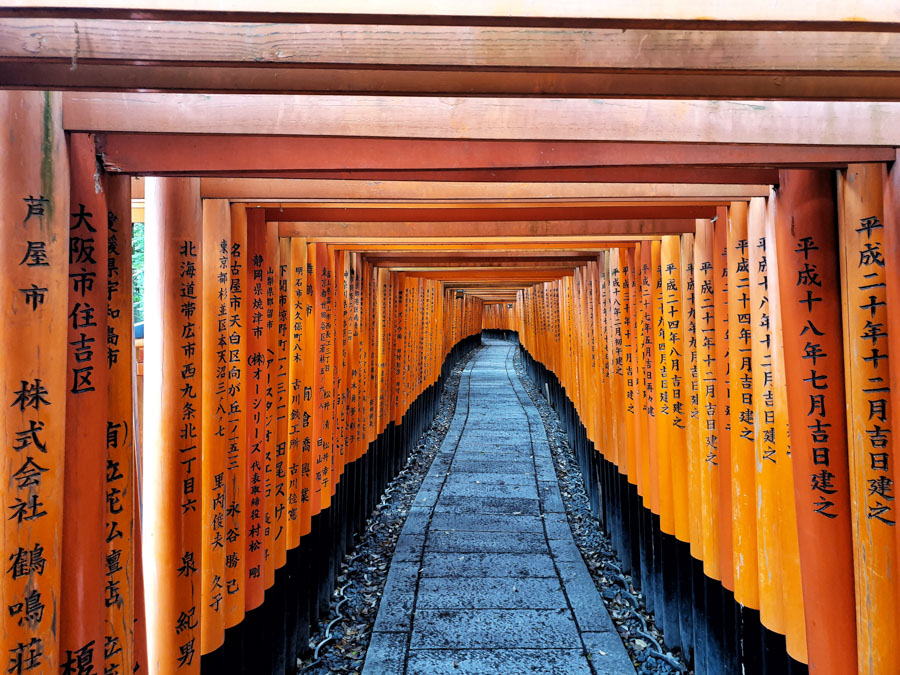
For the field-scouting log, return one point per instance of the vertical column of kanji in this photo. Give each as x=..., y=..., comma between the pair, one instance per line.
x=792, y=587
x=355, y=363
x=324, y=375
x=341, y=380
x=215, y=405
x=708, y=389
x=640, y=400
x=118, y=651
x=299, y=443
x=591, y=382
x=648, y=461
x=585, y=313
x=34, y=227
x=255, y=406
x=872, y=456
x=82, y=607
x=591, y=363
x=236, y=422
x=635, y=396
x=692, y=440
x=275, y=495
x=270, y=264
x=380, y=283
x=172, y=423
x=618, y=372
x=396, y=355
x=338, y=416
x=723, y=397
x=892, y=271
x=673, y=318
x=311, y=368
x=768, y=518
x=282, y=461
x=605, y=421
x=740, y=361
x=660, y=464
x=371, y=292
x=810, y=295
x=629, y=361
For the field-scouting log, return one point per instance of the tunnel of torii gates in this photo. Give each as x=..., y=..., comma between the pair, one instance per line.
x=689, y=226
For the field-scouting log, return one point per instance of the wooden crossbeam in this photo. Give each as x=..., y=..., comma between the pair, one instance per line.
x=505, y=231
x=114, y=55
x=460, y=213
x=766, y=122
x=287, y=190
x=769, y=13
x=248, y=154
x=247, y=79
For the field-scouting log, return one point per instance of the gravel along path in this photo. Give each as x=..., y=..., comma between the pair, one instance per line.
x=362, y=575
x=624, y=603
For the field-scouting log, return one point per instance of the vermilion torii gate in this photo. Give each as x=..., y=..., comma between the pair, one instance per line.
x=693, y=220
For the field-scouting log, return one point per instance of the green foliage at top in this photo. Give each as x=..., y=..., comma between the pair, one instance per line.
x=137, y=271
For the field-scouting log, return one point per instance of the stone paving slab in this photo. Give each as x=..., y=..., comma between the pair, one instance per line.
x=487, y=565
x=494, y=628
x=482, y=522
x=523, y=465
x=511, y=506
x=490, y=593
x=473, y=489
x=506, y=661
x=455, y=541
x=486, y=577
x=493, y=478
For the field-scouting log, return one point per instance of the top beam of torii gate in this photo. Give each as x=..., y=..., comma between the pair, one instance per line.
x=774, y=13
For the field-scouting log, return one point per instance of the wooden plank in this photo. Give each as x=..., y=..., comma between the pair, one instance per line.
x=260, y=190
x=463, y=213
x=775, y=122
x=139, y=42
x=219, y=154
x=605, y=174
x=314, y=80
x=486, y=228
x=606, y=12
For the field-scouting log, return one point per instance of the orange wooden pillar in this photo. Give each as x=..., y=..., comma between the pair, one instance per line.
x=767, y=518
x=82, y=606
x=121, y=515
x=792, y=586
x=892, y=273
x=255, y=406
x=871, y=449
x=236, y=501
x=323, y=425
x=723, y=424
x=692, y=441
x=743, y=464
x=636, y=394
x=709, y=394
x=299, y=391
x=172, y=424
x=677, y=414
x=214, y=310
x=275, y=497
x=809, y=292
x=34, y=226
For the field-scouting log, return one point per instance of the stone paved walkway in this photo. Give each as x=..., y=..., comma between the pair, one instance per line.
x=486, y=577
